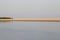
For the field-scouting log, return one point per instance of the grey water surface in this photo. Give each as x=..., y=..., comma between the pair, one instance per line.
x=29, y=30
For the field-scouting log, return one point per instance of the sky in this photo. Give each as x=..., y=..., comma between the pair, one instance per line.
x=30, y=8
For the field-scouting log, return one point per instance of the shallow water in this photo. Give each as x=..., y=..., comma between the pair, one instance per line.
x=29, y=31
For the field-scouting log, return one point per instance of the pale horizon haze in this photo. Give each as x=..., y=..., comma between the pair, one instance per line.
x=30, y=8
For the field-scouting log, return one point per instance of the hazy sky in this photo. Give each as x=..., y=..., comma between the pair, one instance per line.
x=30, y=8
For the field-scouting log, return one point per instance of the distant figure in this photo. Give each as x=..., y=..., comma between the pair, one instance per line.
x=5, y=18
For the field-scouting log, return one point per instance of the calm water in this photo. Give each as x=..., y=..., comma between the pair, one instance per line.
x=29, y=31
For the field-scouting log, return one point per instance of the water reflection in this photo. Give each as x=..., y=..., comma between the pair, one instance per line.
x=29, y=31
